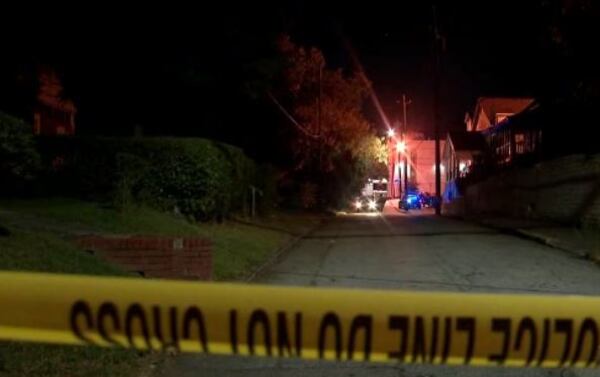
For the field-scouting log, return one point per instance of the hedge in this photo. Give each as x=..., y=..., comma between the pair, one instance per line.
x=19, y=161
x=197, y=177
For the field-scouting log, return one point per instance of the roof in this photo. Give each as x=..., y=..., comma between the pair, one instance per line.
x=467, y=141
x=57, y=103
x=497, y=105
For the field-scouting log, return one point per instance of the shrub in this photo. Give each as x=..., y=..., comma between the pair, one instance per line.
x=19, y=160
x=196, y=177
x=131, y=170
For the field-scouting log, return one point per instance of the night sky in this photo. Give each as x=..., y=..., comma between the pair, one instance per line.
x=197, y=70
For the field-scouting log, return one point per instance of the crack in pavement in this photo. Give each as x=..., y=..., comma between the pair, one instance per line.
x=321, y=262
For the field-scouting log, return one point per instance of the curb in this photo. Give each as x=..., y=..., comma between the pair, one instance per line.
x=261, y=226
x=552, y=243
x=533, y=236
x=281, y=252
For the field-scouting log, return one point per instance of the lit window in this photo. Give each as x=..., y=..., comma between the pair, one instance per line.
x=501, y=116
x=519, y=143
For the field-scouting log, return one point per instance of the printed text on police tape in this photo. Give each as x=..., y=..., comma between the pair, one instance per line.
x=397, y=338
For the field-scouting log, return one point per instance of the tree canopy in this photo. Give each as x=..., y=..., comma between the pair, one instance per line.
x=333, y=137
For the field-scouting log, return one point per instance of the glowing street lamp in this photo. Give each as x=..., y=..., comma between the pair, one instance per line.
x=390, y=132
x=401, y=146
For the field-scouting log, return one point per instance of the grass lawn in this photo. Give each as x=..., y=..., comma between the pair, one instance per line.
x=37, y=251
x=40, y=251
x=239, y=247
x=38, y=241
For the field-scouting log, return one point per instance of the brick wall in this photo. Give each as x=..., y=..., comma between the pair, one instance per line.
x=565, y=190
x=154, y=257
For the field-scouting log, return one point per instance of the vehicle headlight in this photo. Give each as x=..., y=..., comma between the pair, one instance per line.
x=372, y=204
x=358, y=204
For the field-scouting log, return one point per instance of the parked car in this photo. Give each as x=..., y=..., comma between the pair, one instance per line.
x=411, y=200
x=427, y=200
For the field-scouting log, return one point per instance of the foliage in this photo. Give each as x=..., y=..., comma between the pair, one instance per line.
x=570, y=28
x=308, y=195
x=373, y=152
x=199, y=178
x=19, y=160
x=334, y=145
x=327, y=104
x=239, y=248
x=130, y=172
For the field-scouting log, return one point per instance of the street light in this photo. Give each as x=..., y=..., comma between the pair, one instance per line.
x=401, y=146
x=390, y=132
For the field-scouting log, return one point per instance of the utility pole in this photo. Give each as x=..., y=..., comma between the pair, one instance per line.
x=391, y=187
x=319, y=173
x=437, y=39
x=404, y=134
x=319, y=112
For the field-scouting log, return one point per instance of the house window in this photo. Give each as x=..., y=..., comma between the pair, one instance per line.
x=502, y=146
x=520, y=147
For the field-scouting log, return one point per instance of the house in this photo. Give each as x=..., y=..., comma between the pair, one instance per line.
x=53, y=114
x=492, y=118
x=461, y=150
x=488, y=132
x=421, y=169
x=516, y=138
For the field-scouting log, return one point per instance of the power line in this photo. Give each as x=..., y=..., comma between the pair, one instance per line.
x=290, y=117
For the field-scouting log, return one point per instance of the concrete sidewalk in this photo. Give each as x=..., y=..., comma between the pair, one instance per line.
x=583, y=243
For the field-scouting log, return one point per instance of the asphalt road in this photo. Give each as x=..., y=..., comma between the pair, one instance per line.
x=417, y=251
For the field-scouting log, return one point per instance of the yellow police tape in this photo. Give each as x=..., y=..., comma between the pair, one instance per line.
x=378, y=326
